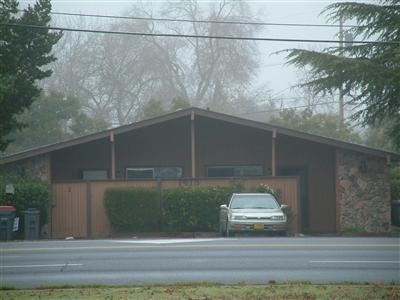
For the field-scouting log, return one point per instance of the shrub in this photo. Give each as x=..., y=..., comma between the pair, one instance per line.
x=193, y=209
x=29, y=193
x=133, y=209
x=263, y=188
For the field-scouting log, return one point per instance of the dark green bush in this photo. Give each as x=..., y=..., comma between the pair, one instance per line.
x=133, y=209
x=263, y=188
x=193, y=209
x=29, y=193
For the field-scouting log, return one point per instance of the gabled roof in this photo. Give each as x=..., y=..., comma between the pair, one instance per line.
x=203, y=113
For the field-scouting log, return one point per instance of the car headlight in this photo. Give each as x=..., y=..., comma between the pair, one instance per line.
x=239, y=217
x=278, y=218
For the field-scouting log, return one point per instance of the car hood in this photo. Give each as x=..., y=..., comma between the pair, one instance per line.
x=257, y=212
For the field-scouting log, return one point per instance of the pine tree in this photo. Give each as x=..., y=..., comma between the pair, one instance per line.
x=24, y=53
x=368, y=74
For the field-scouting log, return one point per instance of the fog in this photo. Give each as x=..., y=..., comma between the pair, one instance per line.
x=122, y=79
x=273, y=71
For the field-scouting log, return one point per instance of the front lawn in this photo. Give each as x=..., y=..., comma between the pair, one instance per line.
x=211, y=291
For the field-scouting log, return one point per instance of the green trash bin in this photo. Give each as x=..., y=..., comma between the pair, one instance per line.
x=7, y=215
x=32, y=224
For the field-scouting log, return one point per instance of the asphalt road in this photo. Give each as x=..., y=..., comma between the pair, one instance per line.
x=253, y=260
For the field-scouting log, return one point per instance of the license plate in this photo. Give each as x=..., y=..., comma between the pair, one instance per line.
x=259, y=226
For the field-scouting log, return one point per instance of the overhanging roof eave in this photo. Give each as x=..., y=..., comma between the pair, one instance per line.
x=300, y=134
x=203, y=113
x=91, y=137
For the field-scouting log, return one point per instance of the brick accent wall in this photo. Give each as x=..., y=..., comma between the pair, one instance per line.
x=38, y=167
x=363, y=192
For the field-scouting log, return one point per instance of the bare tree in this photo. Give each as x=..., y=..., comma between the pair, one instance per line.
x=123, y=77
x=109, y=73
x=115, y=76
x=217, y=71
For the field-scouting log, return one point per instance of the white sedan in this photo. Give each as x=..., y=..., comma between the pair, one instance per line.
x=253, y=212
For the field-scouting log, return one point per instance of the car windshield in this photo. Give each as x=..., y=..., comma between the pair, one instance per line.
x=254, y=201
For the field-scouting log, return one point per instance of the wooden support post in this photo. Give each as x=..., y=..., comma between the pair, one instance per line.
x=112, y=154
x=48, y=167
x=273, y=162
x=388, y=160
x=193, y=144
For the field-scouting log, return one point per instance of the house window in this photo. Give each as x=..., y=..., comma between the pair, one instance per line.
x=234, y=171
x=94, y=174
x=157, y=172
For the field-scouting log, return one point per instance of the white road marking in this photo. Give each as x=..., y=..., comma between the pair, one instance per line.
x=354, y=262
x=40, y=266
x=166, y=241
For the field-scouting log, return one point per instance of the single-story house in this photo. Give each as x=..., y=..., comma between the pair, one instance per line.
x=340, y=186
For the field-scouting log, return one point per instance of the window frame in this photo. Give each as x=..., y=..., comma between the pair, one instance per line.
x=233, y=167
x=83, y=171
x=154, y=171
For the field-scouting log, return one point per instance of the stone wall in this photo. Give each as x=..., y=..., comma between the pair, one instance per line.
x=38, y=167
x=363, y=192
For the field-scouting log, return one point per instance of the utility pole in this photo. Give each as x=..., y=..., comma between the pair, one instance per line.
x=341, y=94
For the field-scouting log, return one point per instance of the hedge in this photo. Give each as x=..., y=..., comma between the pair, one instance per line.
x=133, y=209
x=181, y=209
x=29, y=193
x=193, y=209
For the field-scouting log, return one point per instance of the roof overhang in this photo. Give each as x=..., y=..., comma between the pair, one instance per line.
x=206, y=114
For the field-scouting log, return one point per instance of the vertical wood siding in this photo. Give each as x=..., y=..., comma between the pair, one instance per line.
x=69, y=211
x=78, y=208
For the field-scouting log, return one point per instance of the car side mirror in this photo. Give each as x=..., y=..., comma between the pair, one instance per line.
x=284, y=206
x=223, y=206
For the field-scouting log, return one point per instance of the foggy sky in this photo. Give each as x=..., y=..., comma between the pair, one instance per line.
x=280, y=78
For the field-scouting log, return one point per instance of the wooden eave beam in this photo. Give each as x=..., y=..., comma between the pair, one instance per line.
x=193, y=143
x=273, y=151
